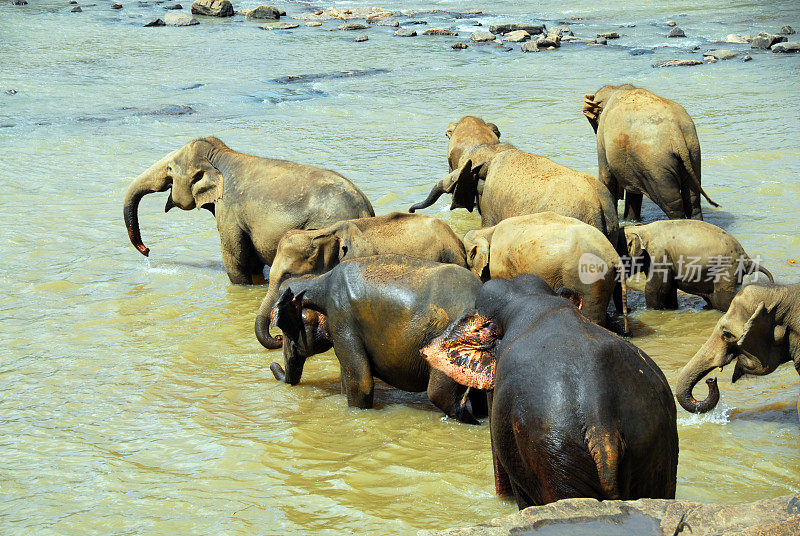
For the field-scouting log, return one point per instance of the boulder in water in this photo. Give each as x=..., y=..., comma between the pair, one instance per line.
x=213, y=8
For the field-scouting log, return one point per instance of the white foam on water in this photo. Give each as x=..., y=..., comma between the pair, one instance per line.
x=719, y=415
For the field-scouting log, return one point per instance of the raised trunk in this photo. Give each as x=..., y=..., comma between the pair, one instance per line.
x=713, y=354
x=155, y=179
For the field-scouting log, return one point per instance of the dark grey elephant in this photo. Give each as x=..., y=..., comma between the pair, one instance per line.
x=503, y=181
x=761, y=330
x=648, y=145
x=254, y=200
x=689, y=255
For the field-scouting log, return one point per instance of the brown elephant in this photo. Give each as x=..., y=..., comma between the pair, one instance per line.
x=254, y=200
x=689, y=255
x=318, y=251
x=563, y=251
x=468, y=133
x=761, y=330
x=648, y=145
x=503, y=181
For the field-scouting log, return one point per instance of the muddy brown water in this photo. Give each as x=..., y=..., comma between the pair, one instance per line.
x=134, y=396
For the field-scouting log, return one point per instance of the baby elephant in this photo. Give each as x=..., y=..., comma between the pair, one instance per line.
x=316, y=251
x=377, y=312
x=689, y=255
x=563, y=251
x=575, y=411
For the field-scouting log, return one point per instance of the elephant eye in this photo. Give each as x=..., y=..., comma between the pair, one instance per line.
x=727, y=336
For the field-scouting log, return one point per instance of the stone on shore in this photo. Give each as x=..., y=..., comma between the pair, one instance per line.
x=678, y=63
x=264, y=12
x=786, y=47
x=345, y=14
x=439, y=31
x=482, y=37
x=608, y=35
x=517, y=36
x=532, y=29
x=352, y=26
x=765, y=40
x=733, y=38
x=154, y=22
x=530, y=46
x=786, y=30
x=213, y=8
x=770, y=517
x=405, y=32
x=179, y=19
x=721, y=54
x=280, y=26
x=676, y=32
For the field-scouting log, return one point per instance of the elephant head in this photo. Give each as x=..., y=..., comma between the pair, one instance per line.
x=306, y=335
x=633, y=250
x=593, y=104
x=188, y=172
x=467, y=133
x=751, y=332
x=300, y=252
x=477, y=245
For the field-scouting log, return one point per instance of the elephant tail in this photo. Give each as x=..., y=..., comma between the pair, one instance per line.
x=687, y=165
x=607, y=449
x=756, y=266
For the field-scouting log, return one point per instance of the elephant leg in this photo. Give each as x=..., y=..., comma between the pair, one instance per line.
x=633, y=206
x=356, y=373
x=691, y=201
x=502, y=482
x=523, y=499
x=449, y=397
x=240, y=258
x=721, y=299
x=477, y=400
x=661, y=290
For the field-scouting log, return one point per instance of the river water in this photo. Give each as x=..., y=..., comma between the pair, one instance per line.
x=135, y=397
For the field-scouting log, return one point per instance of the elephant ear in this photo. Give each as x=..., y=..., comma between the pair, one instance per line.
x=479, y=257
x=465, y=192
x=206, y=184
x=289, y=314
x=450, y=128
x=635, y=243
x=466, y=350
x=494, y=129
x=591, y=109
x=329, y=250
x=758, y=331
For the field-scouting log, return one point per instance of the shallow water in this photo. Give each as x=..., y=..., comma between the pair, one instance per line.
x=134, y=396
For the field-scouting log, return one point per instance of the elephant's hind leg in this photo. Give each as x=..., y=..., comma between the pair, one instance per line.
x=633, y=206
x=661, y=289
x=691, y=201
x=240, y=258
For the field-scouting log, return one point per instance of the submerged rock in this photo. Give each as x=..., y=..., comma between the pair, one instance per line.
x=350, y=13
x=351, y=26
x=76, y=9
x=439, y=31
x=676, y=32
x=154, y=22
x=313, y=23
x=671, y=23
x=264, y=12
x=786, y=30
x=212, y=8
x=390, y=22
x=765, y=40
x=608, y=35
x=641, y=51
x=482, y=37
x=733, y=38
x=786, y=47
x=116, y=6
x=174, y=7
x=405, y=32
x=361, y=38
x=280, y=26
x=552, y=39
x=529, y=46
x=532, y=29
x=678, y=63
x=459, y=45
x=517, y=36
x=747, y=57
x=721, y=54
x=179, y=19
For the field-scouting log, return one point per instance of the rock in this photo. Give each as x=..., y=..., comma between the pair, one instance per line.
x=786, y=30
x=722, y=54
x=676, y=32
x=11, y=91
x=361, y=38
x=473, y=11
x=179, y=19
x=280, y=26
x=733, y=38
x=313, y=23
x=405, y=32
x=573, y=39
x=709, y=59
x=391, y=22
x=786, y=47
x=73, y=2
x=765, y=40
x=352, y=26
x=608, y=35
x=517, y=36
x=671, y=23
x=375, y=18
x=344, y=14
x=532, y=29
x=439, y=31
x=19, y=3
x=770, y=517
x=116, y=6
x=264, y=12
x=76, y=9
x=482, y=37
x=154, y=22
x=641, y=51
x=530, y=46
x=212, y=8
x=747, y=57
x=459, y=45
x=563, y=30
x=601, y=41
x=678, y=63
x=552, y=39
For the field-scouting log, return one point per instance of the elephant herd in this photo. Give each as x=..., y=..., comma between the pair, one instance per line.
x=509, y=322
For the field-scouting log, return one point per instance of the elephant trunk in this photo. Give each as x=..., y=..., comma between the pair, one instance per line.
x=435, y=194
x=155, y=179
x=713, y=354
x=264, y=318
x=278, y=372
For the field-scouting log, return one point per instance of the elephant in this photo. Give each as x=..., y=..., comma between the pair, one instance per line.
x=303, y=252
x=648, y=145
x=560, y=250
x=760, y=330
x=503, y=181
x=468, y=133
x=574, y=410
x=254, y=200
x=377, y=312
x=689, y=255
